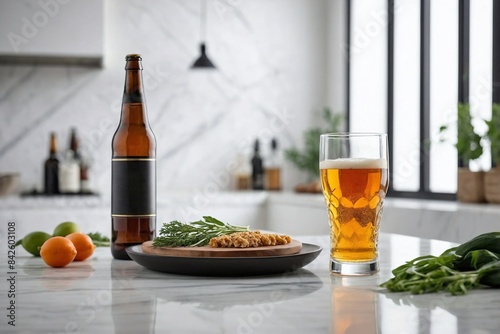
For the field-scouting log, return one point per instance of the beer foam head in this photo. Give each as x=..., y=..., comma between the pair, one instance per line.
x=353, y=163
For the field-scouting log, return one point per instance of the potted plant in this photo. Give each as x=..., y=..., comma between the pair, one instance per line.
x=307, y=159
x=492, y=177
x=470, y=185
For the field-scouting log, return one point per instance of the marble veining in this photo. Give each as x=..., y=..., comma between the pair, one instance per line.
x=268, y=83
x=104, y=295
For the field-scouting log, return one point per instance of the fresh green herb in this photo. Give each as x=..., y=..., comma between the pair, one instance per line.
x=198, y=233
x=474, y=264
x=99, y=240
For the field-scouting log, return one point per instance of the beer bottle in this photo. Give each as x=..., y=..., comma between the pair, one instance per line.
x=133, y=181
x=51, y=168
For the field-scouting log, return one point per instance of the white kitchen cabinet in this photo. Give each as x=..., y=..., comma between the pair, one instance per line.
x=52, y=32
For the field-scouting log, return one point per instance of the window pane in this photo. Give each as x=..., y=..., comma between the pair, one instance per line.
x=368, y=46
x=481, y=70
x=444, y=93
x=406, y=130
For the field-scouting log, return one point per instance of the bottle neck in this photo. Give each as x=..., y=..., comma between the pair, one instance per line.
x=73, y=143
x=133, y=104
x=133, y=91
x=53, y=145
x=256, y=149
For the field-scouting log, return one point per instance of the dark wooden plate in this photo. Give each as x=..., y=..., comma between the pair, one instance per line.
x=225, y=266
x=206, y=251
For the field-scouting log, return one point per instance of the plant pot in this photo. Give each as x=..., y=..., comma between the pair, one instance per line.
x=311, y=187
x=470, y=186
x=492, y=185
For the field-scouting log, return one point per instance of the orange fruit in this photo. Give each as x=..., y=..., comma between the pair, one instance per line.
x=58, y=252
x=83, y=244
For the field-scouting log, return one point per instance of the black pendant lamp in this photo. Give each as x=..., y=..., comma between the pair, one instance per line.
x=202, y=62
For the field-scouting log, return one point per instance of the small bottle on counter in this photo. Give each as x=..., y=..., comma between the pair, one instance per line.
x=257, y=168
x=69, y=169
x=84, y=175
x=51, y=168
x=273, y=168
x=133, y=168
x=69, y=174
x=82, y=160
x=74, y=145
x=242, y=173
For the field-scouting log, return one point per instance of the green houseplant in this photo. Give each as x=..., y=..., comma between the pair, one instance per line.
x=307, y=158
x=469, y=146
x=493, y=134
x=470, y=185
x=492, y=177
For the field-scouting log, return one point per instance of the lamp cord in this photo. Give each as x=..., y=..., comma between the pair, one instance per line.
x=203, y=25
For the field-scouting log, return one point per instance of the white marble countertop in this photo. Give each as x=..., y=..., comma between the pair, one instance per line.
x=102, y=295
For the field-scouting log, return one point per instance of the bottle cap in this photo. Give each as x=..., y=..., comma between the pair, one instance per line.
x=133, y=62
x=133, y=56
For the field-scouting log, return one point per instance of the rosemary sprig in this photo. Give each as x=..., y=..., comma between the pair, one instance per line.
x=198, y=233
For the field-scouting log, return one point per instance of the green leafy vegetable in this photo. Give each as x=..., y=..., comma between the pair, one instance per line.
x=489, y=241
x=474, y=264
x=99, y=240
x=475, y=259
x=198, y=233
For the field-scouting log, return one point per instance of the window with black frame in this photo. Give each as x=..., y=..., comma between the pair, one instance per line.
x=411, y=62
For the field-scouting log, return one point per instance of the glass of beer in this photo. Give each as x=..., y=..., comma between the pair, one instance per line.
x=354, y=177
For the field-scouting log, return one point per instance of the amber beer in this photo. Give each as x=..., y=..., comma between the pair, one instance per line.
x=133, y=182
x=354, y=191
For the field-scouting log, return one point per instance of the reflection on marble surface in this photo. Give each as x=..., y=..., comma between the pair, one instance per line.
x=103, y=295
x=462, y=315
x=354, y=310
x=290, y=286
x=126, y=301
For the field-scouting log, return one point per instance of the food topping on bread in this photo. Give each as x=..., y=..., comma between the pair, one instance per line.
x=249, y=239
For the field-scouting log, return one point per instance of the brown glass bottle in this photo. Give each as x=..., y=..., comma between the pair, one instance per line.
x=133, y=184
x=51, y=169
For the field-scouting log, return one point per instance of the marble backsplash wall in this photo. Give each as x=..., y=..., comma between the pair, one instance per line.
x=271, y=78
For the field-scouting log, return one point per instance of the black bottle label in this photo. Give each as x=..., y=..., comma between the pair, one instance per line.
x=133, y=187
